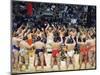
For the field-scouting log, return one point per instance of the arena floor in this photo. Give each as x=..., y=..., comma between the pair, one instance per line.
x=55, y=68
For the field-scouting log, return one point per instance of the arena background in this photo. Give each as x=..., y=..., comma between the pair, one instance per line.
x=36, y=14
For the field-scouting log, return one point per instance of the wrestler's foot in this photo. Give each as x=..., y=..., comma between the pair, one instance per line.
x=85, y=65
x=51, y=67
x=73, y=66
x=26, y=66
x=42, y=69
x=80, y=66
x=14, y=66
x=66, y=67
x=23, y=68
x=35, y=68
x=59, y=68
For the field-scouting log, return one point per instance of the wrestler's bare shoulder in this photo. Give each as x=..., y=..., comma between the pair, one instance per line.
x=91, y=41
x=38, y=43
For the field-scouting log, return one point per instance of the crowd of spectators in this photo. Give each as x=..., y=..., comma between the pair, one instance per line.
x=41, y=13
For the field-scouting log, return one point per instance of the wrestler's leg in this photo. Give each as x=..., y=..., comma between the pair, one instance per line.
x=73, y=60
x=36, y=60
x=80, y=59
x=52, y=61
x=69, y=54
x=58, y=61
x=21, y=59
x=86, y=59
x=66, y=58
x=26, y=57
x=12, y=60
x=94, y=59
x=91, y=58
x=16, y=56
x=66, y=63
x=20, y=62
x=41, y=59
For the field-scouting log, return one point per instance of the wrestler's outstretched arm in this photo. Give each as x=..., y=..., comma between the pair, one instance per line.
x=74, y=42
x=23, y=31
x=66, y=41
x=77, y=39
x=53, y=27
x=42, y=29
x=61, y=40
x=27, y=32
x=65, y=28
x=18, y=30
x=47, y=27
x=58, y=27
